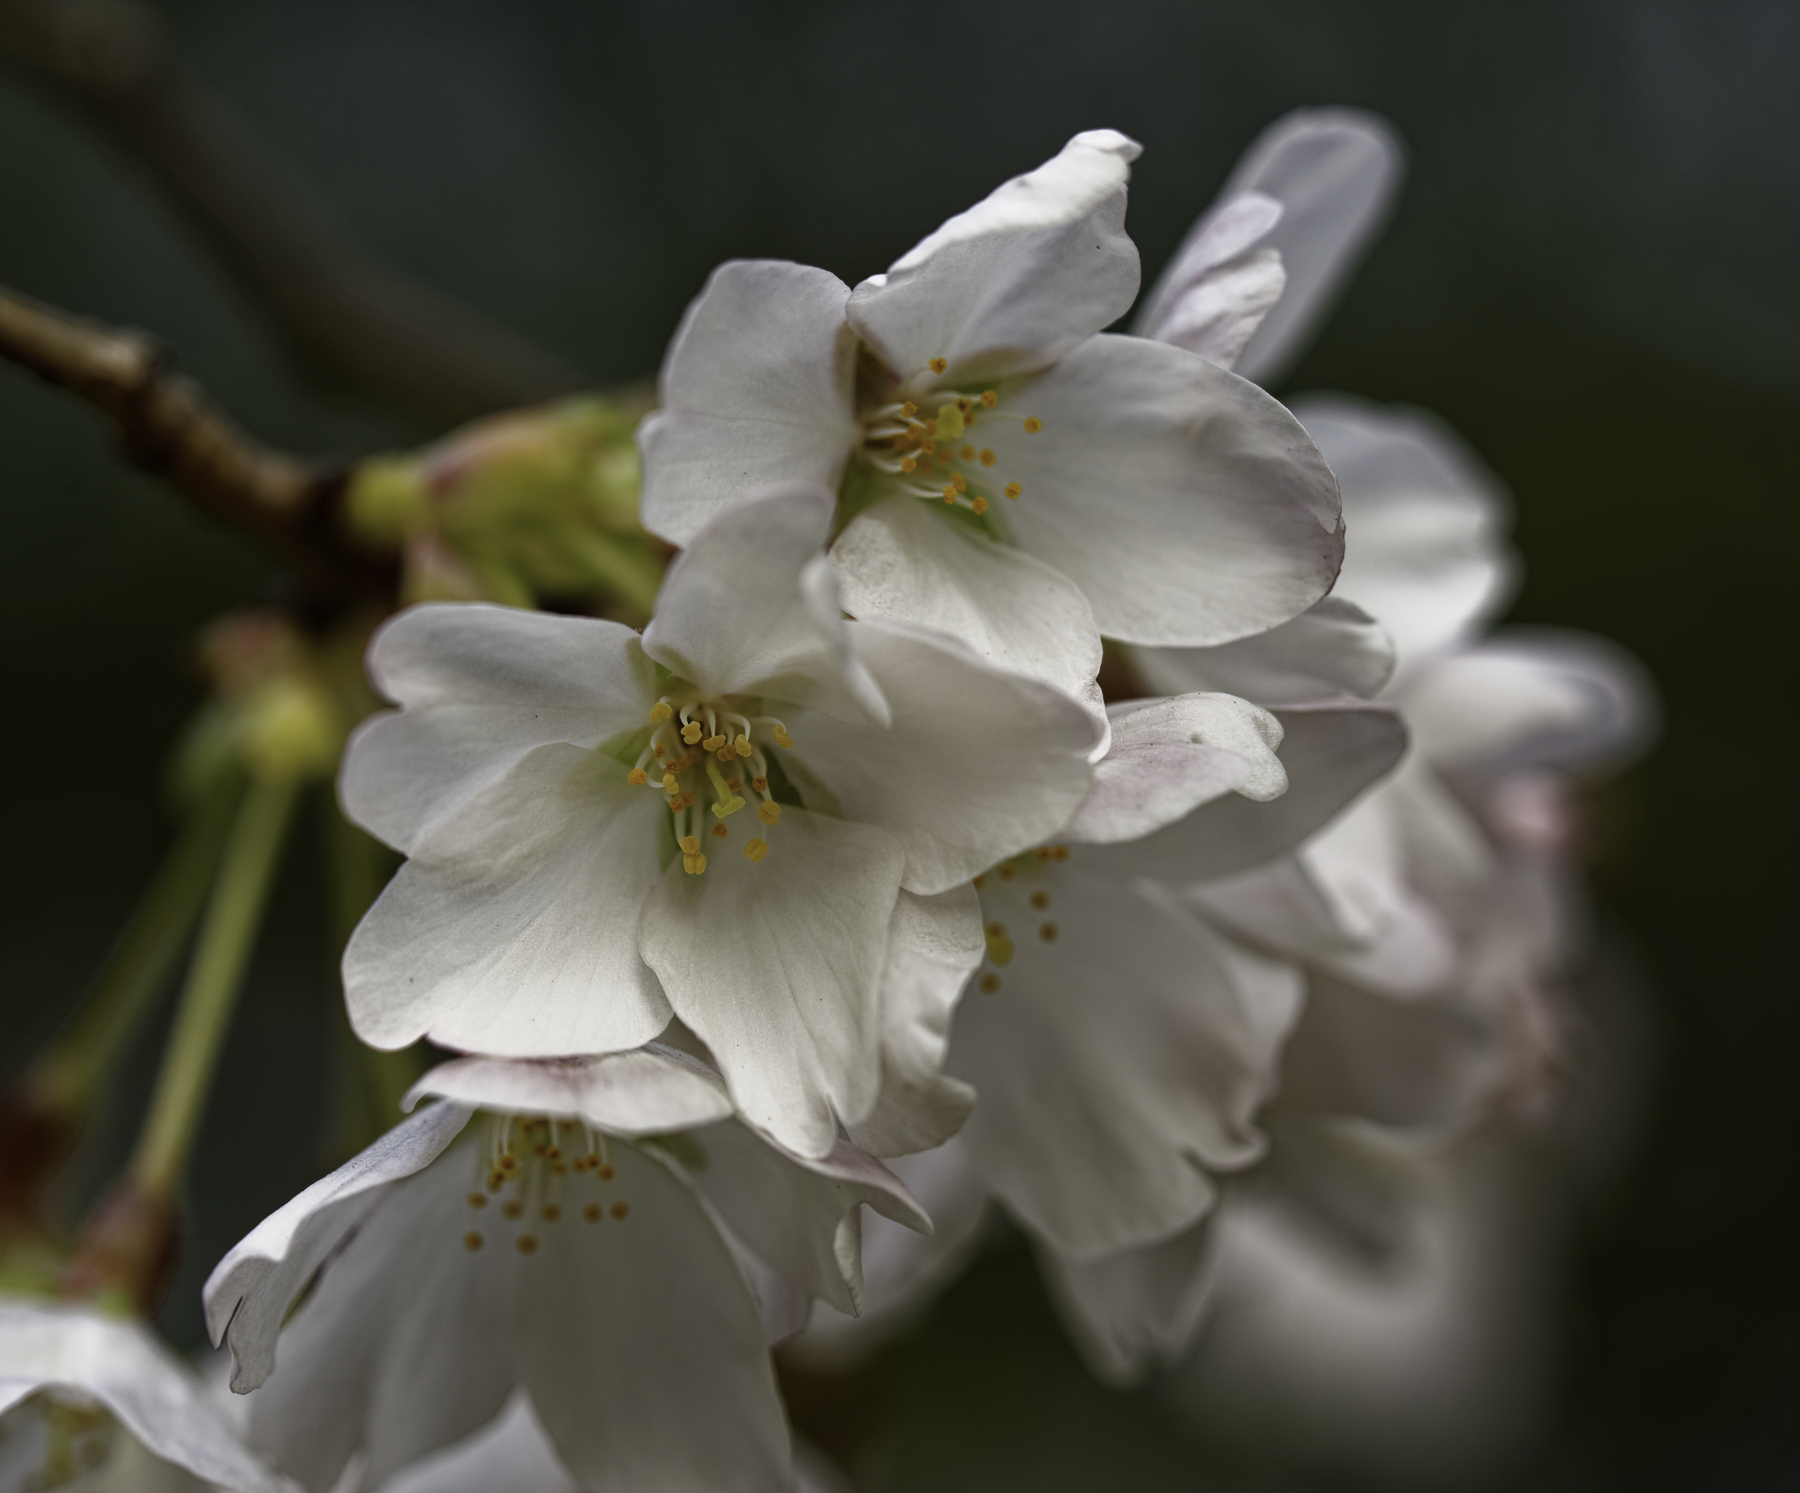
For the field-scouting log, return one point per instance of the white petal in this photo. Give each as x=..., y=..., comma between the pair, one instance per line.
x=777, y=967
x=1427, y=554
x=481, y=686
x=1330, y=650
x=511, y=1453
x=646, y=1092
x=1219, y=286
x=643, y=1350
x=1531, y=698
x=1334, y=172
x=1189, y=506
x=1117, y=1066
x=1138, y=1309
x=250, y=1290
x=513, y=929
x=801, y=1218
x=404, y=1345
x=934, y=944
x=1331, y=754
x=156, y=1397
x=1170, y=756
x=756, y=389
x=743, y=611
x=1020, y=278
x=900, y=561
x=978, y=765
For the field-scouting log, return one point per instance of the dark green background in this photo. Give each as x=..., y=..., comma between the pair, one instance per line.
x=1592, y=274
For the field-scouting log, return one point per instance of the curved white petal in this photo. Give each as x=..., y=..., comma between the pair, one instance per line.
x=404, y=1345
x=756, y=389
x=646, y=1092
x=1332, y=649
x=511, y=1453
x=1187, y=504
x=1012, y=284
x=978, y=765
x=1220, y=285
x=643, y=1351
x=1170, y=756
x=1331, y=754
x=1138, y=1309
x=742, y=610
x=1117, y=1065
x=479, y=687
x=1335, y=173
x=934, y=944
x=250, y=1290
x=802, y=1218
x=513, y=929
x=902, y=562
x=777, y=967
x=156, y=1397
x=1427, y=554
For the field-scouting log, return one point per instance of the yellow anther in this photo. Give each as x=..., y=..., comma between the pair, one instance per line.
x=526, y=1244
x=513, y=1208
x=928, y=447
x=987, y=457
x=508, y=1163
x=930, y=428
x=1040, y=900
x=736, y=785
x=1012, y=489
x=692, y=732
x=719, y=832
x=671, y=783
x=550, y=1212
x=637, y=777
x=472, y=1241
x=726, y=807
x=619, y=1210
x=949, y=492
x=712, y=743
x=1005, y=871
x=937, y=365
x=989, y=984
x=769, y=812
x=989, y=398
x=681, y=801
x=978, y=506
x=694, y=865
x=742, y=746
x=967, y=453
x=960, y=483
x=1033, y=425
x=755, y=850
x=949, y=422
x=761, y=785
x=690, y=844
x=657, y=749
x=1059, y=852
x=727, y=754
x=478, y=1200
x=1048, y=932
x=592, y=1212
x=782, y=739
x=661, y=710
x=604, y=1171
x=907, y=464
x=908, y=410
x=999, y=945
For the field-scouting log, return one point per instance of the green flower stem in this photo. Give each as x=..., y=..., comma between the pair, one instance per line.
x=220, y=955
x=76, y=1066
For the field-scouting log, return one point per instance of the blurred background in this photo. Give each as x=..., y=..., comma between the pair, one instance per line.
x=1591, y=273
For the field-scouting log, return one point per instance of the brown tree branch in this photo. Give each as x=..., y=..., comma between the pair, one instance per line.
x=166, y=427
x=335, y=303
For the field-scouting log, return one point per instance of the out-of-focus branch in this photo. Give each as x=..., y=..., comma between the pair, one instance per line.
x=330, y=297
x=166, y=427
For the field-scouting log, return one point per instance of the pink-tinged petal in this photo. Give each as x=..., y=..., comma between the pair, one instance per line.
x=1332, y=650
x=1220, y=285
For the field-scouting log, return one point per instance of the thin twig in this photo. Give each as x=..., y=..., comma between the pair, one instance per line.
x=333, y=300
x=167, y=428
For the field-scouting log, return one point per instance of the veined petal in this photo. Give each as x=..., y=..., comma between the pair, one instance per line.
x=750, y=608
x=1170, y=756
x=647, y=1092
x=156, y=1397
x=480, y=686
x=1012, y=284
x=777, y=966
x=1219, y=286
x=250, y=1290
x=1118, y=1065
x=756, y=389
x=1332, y=649
x=934, y=944
x=513, y=929
x=901, y=562
x=1335, y=173
x=1331, y=754
x=1138, y=1309
x=1430, y=559
x=1187, y=504
x=643, y=1351
x=978, y=765
x=802, y=1218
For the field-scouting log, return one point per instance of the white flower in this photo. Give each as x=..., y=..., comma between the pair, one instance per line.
x=585, y=1239
x=73, y=1378
x=969, y=396
x=570, y=797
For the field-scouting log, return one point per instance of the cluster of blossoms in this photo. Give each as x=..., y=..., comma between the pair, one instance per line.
x=847, y=858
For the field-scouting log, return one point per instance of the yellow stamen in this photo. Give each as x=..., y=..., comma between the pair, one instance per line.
x=694, y=865
x=472, y=1241
x=637, y=777
x=592, y=1213
x=755, y=850
x=1048, y=932
x=1012, y=489
x=619, y=1210
x=908, y=464
x=761, y=785
x=967, y=453
x=908, y=410
x=987, y=457
x=661, y=711
x=719, y=832
x=742, y=746
x=692, y=732
x=690, y=844
x=949, y=492
x=478, y=1200
x=999, y=945
x=989, y=398
x=1040, y=900
x=937, y=365
x=769, y=812
x=670, y=782
x=1033, y=425
x=782, y=739
x=978, y=506
x=712, y=743
x=989, y=984
x=526, y=1244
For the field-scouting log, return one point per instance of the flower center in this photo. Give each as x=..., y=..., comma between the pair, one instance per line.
x=702, y=755
x=1016, y=894
x=925, y=440
x=531, y=1172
